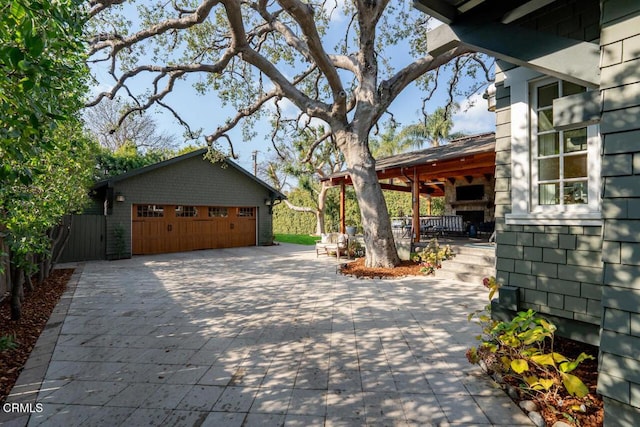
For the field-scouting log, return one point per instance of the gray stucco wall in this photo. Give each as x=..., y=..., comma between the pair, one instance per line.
x=619, y=376
x=193, y=181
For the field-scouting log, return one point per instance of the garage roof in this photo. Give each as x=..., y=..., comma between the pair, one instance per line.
x=109, y=182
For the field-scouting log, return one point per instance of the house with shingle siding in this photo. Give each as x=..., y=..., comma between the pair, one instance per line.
x=567, y=104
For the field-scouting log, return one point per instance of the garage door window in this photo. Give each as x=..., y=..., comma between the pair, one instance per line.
x=150, y=211
x=186, y=212
x=245, y=212
x=215, y=212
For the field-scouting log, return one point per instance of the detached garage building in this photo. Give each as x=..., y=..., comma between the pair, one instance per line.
x=182, y=204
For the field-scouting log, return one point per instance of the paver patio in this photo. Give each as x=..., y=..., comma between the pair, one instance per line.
x=263, y=336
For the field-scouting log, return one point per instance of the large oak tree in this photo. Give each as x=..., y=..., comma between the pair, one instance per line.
x=256, y=53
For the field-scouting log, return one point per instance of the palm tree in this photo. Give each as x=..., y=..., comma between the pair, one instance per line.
x=434, y=130
x=388, y=143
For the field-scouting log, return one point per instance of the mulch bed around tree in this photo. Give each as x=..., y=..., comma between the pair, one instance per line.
x=553, y=408
x=358, y=269
x=36, y=310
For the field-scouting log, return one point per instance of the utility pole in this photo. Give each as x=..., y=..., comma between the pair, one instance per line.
x=254, y=156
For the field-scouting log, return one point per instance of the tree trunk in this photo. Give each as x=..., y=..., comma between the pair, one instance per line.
x=378, y=236
x=322, y=201
x=17, y=293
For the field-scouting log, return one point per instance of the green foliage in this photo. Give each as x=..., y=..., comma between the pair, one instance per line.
x=8, y=342
x=298, y=239
x=44, y=153
x=43, y=78
x=118, y=240
x=111, y=163
x=288, y=221
x=58, y=188
x=431, y=256
x=399, y=204
x=523, y=350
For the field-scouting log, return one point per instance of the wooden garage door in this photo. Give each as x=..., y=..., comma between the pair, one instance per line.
x=170, y=228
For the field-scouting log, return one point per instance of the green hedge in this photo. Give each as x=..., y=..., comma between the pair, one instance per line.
x=288, y=221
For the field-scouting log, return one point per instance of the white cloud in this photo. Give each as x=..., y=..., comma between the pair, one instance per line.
x=474, y=117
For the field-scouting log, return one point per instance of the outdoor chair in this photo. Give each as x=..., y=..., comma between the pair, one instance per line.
x=333, y=243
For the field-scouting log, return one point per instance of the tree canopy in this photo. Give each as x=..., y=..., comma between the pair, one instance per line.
x=44, y=169
x=42, y=80
x=327, y=61
x=138, y=130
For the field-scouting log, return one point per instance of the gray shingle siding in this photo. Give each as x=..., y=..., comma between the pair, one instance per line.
x=558, y=268
x=586, y=277
x=619, y=380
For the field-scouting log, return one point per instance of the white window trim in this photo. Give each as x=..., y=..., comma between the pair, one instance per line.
x=522, y=210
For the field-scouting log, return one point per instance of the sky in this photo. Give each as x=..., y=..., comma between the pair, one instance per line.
x=205, y=111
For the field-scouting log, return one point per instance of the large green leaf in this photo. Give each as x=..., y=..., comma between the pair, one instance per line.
x=574, y=385
x=17, y=11
x=544, y=359
x=519, y=365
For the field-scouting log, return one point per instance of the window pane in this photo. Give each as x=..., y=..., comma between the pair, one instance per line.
x=575, y=166
x=218, y=212
x=245, y=212
x=150, y=211
x=546, y=95
x=186, y=211
x=545, y=120
x=549, y=169
x=575, y=193
x=575, y=140
x=549, y=194
x=548, y=144
x=571, y=88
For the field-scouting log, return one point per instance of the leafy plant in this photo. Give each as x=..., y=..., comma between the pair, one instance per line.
x=522, y=349
x=119, y=243
x=356, y=250
x=8, y=342
x=431, y=257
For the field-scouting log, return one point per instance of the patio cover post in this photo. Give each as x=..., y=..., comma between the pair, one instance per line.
x=415, y=203
x=342, y=208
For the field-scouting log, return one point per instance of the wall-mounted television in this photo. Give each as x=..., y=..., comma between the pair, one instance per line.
x=470, y=192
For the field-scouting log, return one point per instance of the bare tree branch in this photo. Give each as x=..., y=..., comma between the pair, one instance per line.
x=315, y=144
x=391, y=88
x=117, y=44
x=97, y=6
x=303, y=14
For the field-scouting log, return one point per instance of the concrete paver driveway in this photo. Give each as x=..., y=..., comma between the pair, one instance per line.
x=263, y=336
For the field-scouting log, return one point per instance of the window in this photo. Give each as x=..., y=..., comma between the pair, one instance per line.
x=150, y=211
x=186, y=212
x=245, y=212
x=559, y=158
x=216, y=212
x=555, y=172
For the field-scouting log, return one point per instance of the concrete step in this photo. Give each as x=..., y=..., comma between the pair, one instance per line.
x=474, y=260
x=468, y=276
x=472, y=263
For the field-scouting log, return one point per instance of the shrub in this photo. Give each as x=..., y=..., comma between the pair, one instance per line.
x=522, y=350
x=431, y=257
